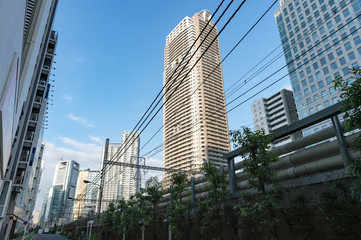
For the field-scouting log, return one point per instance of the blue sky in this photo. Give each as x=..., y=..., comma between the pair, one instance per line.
x=109, y=68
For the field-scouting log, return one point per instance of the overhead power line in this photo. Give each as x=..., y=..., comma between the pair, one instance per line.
x=103, y=171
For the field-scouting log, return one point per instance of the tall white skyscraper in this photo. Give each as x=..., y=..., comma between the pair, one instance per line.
x=194, y=117
x=62, y=193
x=320, y=41
x=121, y=182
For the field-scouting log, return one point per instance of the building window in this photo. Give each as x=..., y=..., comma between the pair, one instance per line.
x=351, y=56
x=325, y=70
x=319, y=107
x=345, y=71
x=310, y=79
x=326, y=16
x=339, y=51
x=315, y=66
x=318, y=75
x=323, y=61
x=334, y=100
x=314, y=35
x=346, y=13
x=344, y=36
x=313, y=88
x=342, y=61
x=329, y=25
x=357, y=40
x=304, y=83
x=311, y=110
x=324, y=94
x=327, y=103
x=353, y=30
x=330, y=56
x=347, y=46
x=321, y=84
x=328, y=80
x=307, y=92
x=302, y=74
x=334, y=65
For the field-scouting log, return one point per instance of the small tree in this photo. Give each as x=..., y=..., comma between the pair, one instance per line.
x=153, y=193
x=107, y=225
x=259, y=204
x=179, y=211
x=209, y=208
x=351, y=106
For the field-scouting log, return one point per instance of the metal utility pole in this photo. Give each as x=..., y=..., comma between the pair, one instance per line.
x=102, y=177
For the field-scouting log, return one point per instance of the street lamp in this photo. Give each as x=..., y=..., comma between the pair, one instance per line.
x=100, y=196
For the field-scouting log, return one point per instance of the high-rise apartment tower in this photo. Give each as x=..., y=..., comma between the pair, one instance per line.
x=194, y=116
x=274, y=112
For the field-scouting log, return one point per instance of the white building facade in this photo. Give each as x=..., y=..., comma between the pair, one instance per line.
x=61, y=197
x=25, y=32
x=321, y=40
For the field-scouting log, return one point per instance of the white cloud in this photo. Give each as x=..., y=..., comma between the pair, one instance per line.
x=81, y=59
x=88, y=155
x=97, y=140
x=287, y=86
x=154, y=162
x=81, y=120
x=67, y=98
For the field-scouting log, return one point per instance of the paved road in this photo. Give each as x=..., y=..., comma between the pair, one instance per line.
x=50, y=237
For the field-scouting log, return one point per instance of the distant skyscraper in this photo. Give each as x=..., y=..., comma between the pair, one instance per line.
x=62, y=193
x=44, y=206
x=120, y=182
x=195, y=128
x=326, y=26
x=274, y=112
x=86, y=205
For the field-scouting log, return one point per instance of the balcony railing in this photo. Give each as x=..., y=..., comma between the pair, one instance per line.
x=42, y=82
x=34, y=117
x=38, y=99
x=29, y=136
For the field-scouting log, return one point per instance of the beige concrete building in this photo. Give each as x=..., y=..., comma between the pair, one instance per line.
x=86, y=205
x=194, y=118
x=36, y=218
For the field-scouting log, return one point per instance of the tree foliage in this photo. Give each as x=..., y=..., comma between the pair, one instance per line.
x=351, y=106
x=259, y=204
x=179, y=212
x=133, y=216
x=209, y=209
